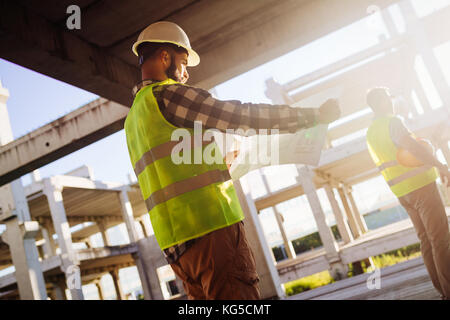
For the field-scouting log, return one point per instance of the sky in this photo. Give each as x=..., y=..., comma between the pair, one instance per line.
x=36, y=99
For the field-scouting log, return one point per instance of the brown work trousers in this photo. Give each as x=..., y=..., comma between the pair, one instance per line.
x=427, y=212
x=219, y=266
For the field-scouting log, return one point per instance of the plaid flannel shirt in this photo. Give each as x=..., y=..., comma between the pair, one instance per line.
x=183, y=105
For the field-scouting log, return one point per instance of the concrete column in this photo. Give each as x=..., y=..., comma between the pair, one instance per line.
x=270, y=284
x=287, y=244
x=150, y=258
x=337, y=269
x=119, y=292
x=342, y=225
x=49, y=244
x=57, y=292
x=20, y=237
x=414, y=26
x=102, y=227
x=47, y=224
x=20, y=231
x=98, y=284
x=127, y=214
x=139, y=257
x=326, y=235
x=279, y=218
x=145, y=227
x=354, y=227
x=358, y=217
x=69, y=261
x=62, y=285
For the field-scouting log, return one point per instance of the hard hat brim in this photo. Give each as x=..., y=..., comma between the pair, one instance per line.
x=193, y=57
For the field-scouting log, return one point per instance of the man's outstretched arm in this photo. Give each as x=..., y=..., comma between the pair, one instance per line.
x=183, y=105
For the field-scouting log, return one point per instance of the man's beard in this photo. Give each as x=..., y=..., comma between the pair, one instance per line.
x=171, y=71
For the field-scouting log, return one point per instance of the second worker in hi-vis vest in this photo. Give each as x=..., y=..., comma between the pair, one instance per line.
x=414, y=186
x=193, y=206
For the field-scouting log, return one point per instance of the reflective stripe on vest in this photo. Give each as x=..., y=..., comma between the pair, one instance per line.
x=408, y=175
x=386, y=165
x=159, y=152
x=184, y=201
x=402, y=180
x=184, y=186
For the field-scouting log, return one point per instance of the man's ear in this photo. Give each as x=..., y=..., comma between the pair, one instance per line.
x=165, y=58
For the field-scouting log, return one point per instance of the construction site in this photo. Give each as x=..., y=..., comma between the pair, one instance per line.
x=71, y=228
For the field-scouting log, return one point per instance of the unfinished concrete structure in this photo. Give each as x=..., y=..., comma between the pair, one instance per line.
x=245, y=34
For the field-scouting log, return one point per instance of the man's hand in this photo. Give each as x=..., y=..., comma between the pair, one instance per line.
x=329, y=111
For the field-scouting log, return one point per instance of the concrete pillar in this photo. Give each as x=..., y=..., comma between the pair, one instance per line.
x=20, y=237
x=287, y=244
x=57, y=292
x=127, y=214
x=358, y=216
x=119, y=292
x=270, y=284
x=20, y=230
x=149, y=260
x=279, y=218
x=342, y=225
x=354, y=227
x=49, y=244
x=69, y=260
x=102, y=227
x=101, y=294
x=62, y=284
x=337, y=269
x=139, y=257
x=414, y=26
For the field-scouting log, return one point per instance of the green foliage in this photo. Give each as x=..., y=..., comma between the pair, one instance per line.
x=312, y=241
x=307, y=283
x=278, y=253
x=324, y=278
x=396, y=256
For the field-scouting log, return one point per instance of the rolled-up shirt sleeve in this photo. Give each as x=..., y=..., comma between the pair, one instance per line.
x=183, y=105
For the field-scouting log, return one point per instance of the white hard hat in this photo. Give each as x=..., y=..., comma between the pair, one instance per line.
x=167, y=32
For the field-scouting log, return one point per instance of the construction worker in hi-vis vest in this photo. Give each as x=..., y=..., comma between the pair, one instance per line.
x=413, y=183
x=193, y=206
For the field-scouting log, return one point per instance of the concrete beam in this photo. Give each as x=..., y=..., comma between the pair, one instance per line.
x=55, y=51
x=63, y=136
x=269, y=33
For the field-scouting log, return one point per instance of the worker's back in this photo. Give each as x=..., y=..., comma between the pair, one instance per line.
x=402, y=180
x=185, y=200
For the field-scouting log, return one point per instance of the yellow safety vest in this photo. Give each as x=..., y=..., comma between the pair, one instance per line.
x=185, y=201
x=402, y=180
